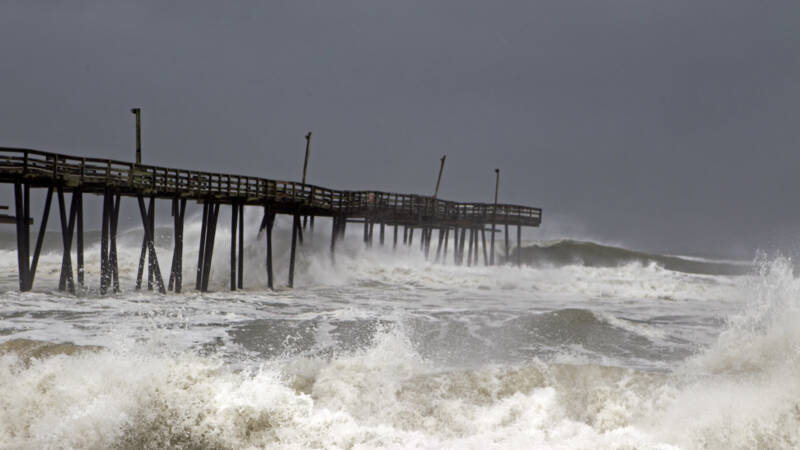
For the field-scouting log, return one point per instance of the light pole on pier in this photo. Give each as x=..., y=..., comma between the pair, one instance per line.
x=439, y=180
x=138, y=113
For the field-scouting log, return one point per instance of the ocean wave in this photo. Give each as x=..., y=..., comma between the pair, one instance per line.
x=591, y=254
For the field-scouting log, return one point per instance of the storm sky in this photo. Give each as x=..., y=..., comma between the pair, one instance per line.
x=664, y=125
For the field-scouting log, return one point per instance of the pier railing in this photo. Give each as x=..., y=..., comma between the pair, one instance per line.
x=96, y=174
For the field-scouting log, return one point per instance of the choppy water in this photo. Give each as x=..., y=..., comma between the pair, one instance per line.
x=384, y=349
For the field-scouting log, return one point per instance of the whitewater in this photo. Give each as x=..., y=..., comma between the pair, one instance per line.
x=595, y=347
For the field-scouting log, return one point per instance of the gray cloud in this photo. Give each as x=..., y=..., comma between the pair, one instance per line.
x=665, y=125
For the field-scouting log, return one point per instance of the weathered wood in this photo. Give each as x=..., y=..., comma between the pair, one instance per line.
x=507, y=244
x=148, y=218
x=176, y=272
x=40, y=237
x=105, y=272
x=77, y=197
x=234, y=229
x=211, y=232
x=22, y=236
x=485, y=255
x=267, y=222
x=31, y=168
x=519, y=246
x=439, y=246
x=201, y=251
x=446, y=239
x=66, y=280
x=471, y=242
x=113, y=249
x=461, y=242
x=240, y=273
x=145, y=246
x=295, y=228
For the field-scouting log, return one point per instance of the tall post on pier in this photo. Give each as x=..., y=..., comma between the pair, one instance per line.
x=519, y=245
x=494, y=215
x=305, y=170
x=138, y=113
x=439, y=179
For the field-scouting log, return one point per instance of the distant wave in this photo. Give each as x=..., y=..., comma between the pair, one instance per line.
x=590, y=254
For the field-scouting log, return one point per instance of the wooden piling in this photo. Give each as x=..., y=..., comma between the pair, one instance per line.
x=201, y=251
x=77, y=197
x=234, y=229
x=113, y=226
x=461, y=242
x=471, y=242
x=208, y=253
x=295, y=228
x=176, y=272
x=148, y=218
x=519, y=246
x=483, y=239
x=66, y=280
x=507, y=243
x=269, y=221
x=40, y=237
x=105, y=272
x=23, y=237
x=240, y=272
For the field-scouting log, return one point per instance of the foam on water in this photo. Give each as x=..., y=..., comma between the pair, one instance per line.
x=402, y=353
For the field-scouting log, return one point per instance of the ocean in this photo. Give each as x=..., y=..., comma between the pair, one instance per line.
x=585, y=346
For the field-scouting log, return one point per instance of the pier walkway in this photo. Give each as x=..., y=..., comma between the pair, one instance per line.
x=60, y=174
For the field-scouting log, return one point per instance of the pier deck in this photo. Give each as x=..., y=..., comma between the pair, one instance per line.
x=59, y=173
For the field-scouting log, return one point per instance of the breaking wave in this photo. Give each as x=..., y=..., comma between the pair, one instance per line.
x=740, y=392
x=591, y=254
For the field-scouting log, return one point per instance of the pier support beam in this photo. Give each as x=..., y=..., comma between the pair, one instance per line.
x=446, y=241
x=27, y=268
x=240, y=273
x=461, y=243
x=471, y=242
x=66, y=280
x=209, y=232
x=201, y=251
x=176, y=272
x=237, y=229
x=22, y=204
x=267, y=221
x=234, y=229
x=507, y=244
x=519, y=245
x=109, y=269
x=148, y=221
x=439, y=246
x=483, y=239
x=77, y=196
x=295, y=229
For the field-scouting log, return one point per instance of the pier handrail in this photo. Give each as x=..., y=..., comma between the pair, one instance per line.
x=71, y=171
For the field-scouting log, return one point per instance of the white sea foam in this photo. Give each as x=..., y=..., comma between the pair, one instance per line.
x=385, y=349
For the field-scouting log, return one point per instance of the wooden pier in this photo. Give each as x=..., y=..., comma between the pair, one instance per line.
x=60, y=175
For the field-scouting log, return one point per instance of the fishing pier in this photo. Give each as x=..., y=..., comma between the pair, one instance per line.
x=64, y=175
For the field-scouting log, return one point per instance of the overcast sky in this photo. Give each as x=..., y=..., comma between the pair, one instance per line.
x=665, y=125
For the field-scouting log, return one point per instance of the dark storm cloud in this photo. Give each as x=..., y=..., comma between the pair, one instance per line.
x=665, y=125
